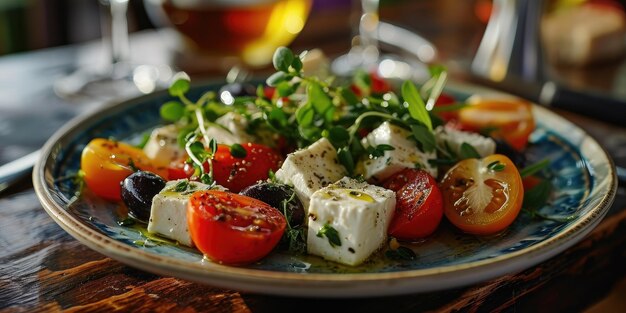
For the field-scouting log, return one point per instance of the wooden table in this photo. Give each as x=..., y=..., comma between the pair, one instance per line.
x=42, y=268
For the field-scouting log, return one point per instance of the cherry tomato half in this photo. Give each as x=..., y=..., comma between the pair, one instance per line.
x=509, y=119
x=482, y=196
x=234, y=173
x=231, y=228
x=419, y=206
x=106, y=163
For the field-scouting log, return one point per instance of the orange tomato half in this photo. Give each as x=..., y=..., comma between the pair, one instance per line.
x=105, y=164
x=482, y=196
x=509, y=119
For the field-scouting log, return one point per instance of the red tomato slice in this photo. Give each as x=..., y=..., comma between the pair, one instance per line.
x=419, y=206
x=232, y=172
x=482, y=196
x=233, y=229
x=107, y=163
x=509, y=119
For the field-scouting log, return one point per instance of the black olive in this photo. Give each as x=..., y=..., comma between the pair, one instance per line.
x=230, y=91
x=138, y=189
x=518, y=158
x=274, y=195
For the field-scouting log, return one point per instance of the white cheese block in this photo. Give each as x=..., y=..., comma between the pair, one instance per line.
x=448, y=137
x=231, y=129
x=405, y=154
x=359, y=212
x=168, y=214
x=162, y=146
x=310, y=169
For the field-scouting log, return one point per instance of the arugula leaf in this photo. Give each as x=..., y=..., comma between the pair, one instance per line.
x=424, y=137
x=330, y=233
x=417, y=108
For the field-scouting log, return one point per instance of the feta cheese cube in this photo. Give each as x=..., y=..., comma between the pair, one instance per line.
x=310, y=169
x=168, y=214
x=162, y=146
x=448, y=137
x=360, y=214
x=405, y=154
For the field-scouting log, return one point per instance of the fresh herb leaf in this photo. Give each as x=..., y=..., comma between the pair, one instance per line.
x=172, y=111
x=534, y=168
x=305, y=115
x=537, y=196
x=496, y=166
x=238, y=151
x=379, y=150
x=401, y=254
x=331, y=233
x=338, y=136
x=282, y=59
x=417, y=108
x=450, y=107
x=213, y=145
x=277, y=78
x=181, y=186
x=345, y=158
x=467, y=151
x=424, y=137
x=318, y=98
x=297, y=64
x=180, y=86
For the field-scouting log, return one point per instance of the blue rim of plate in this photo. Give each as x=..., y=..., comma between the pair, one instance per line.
x=596, y=201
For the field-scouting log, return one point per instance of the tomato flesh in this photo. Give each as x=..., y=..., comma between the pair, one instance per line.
x=106, y=163
x=419, y=206
x=509, y=119
x=480, y=200
x=233, y=229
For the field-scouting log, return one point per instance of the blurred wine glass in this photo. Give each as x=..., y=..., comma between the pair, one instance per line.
x=121, y=78
x=365, y=53
x=224, y=33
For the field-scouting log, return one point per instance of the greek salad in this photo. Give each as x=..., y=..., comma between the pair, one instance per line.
x=340, y=168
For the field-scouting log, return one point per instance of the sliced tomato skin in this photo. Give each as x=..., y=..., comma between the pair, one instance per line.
x=419, y=204
x=232, y=172
x=106, y=163
x=505, y=201
x=509, y=119
x=239, y=173
x=233, y=229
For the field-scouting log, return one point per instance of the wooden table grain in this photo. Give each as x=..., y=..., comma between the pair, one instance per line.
x=43, y=269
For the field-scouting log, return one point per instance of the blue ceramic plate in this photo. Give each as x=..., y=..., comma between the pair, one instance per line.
x=584, y=178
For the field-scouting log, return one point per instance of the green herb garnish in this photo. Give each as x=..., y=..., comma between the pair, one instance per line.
x=238, y=151
x=534, y=168
x=331, y=233
x=496, y=166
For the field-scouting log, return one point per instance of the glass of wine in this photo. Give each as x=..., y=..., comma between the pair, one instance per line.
x=224, y=33
x=120, y=78
x=365, y=53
